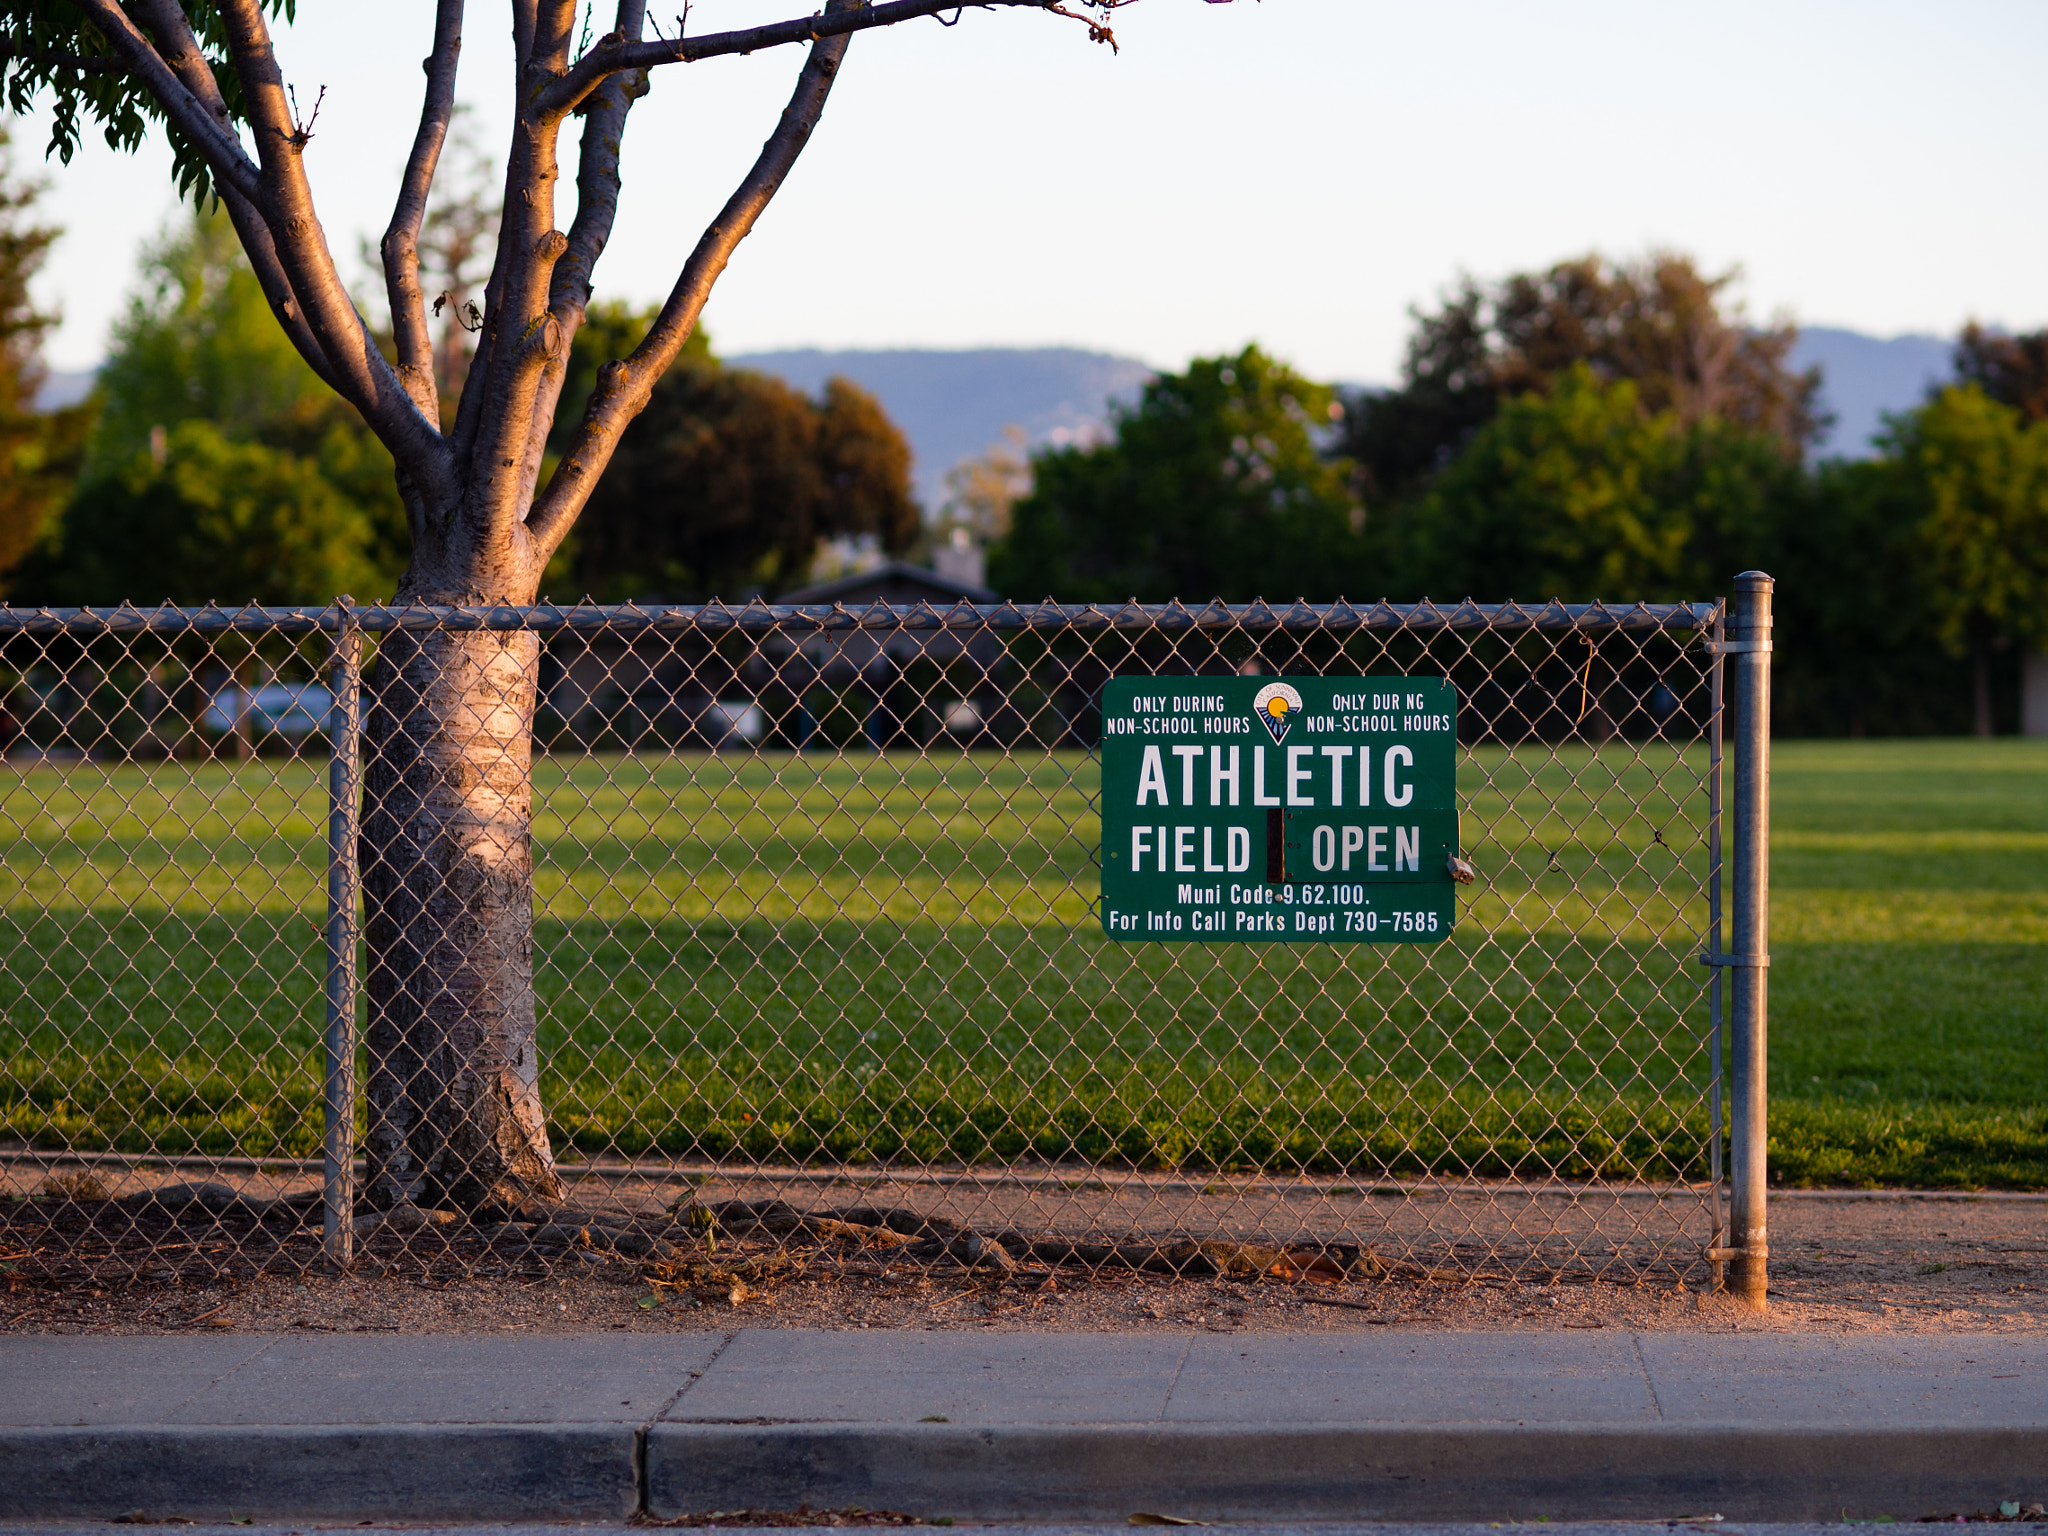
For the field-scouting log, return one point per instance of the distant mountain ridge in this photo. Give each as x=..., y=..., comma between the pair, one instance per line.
x=955, y=404
x=1866, y=378
x=65, y=386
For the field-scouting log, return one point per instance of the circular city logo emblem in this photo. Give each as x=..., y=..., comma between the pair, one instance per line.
x=1277, y=705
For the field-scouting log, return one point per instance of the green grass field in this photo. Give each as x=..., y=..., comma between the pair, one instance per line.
x=1909, y=980
x=816, y=958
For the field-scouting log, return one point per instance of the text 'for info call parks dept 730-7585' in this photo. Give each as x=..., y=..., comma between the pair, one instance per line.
x=1304, y=808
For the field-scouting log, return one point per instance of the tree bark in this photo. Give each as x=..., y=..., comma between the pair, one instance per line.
x=455, y=1113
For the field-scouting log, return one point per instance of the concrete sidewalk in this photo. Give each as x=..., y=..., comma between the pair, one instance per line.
x=1368, y=1426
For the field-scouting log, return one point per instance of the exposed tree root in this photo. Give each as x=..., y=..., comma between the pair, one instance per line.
x=934, y=1238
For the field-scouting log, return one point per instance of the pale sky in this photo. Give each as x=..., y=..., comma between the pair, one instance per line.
x=1292, y=172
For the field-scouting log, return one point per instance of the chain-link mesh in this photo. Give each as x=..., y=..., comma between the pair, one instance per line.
x=815, y=973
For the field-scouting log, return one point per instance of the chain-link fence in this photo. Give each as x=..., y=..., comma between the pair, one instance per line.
x=802, y=960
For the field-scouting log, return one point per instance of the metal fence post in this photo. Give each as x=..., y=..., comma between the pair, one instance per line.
x=1717, y=991
x=338, y=1085
x=1748, y=962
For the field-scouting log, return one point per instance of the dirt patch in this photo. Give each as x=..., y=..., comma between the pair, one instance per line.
x=1838, y=1265
x=113, y=1223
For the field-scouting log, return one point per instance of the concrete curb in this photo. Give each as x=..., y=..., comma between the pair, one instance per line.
x=1030, y=1472
x=1343, y=1472
x=346, y=1472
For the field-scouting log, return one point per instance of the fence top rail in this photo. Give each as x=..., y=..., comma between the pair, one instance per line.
x=763, y=618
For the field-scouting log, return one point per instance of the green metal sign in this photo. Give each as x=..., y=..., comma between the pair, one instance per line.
x=1311, y=809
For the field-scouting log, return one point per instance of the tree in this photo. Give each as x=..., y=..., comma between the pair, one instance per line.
x=1658, y=323
x=213, y=518
x=2013, y=370
x=1579, y=493
x=864, y=459
x=197, y=343
x=1854, y=608
x=1214, y=485
x=983, y=491
x=39, y=451
x=1978, y=472
x=455, y=1109
x=727, y=481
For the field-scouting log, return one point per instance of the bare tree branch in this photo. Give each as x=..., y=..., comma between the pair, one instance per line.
x=400, y=248
x=359, y=371
x=615, y=53
x=180, y=48
x=624, y=385
x=510, y=261
x=519, y=336
x=224, y=154
x=524, y=18
x=469, y=410
x=597, y=170
x=554, y=34
x=271, y=120
x=597, y=205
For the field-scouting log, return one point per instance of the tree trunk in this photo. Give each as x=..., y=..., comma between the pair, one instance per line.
x=454, y=1098
x=1980, y=679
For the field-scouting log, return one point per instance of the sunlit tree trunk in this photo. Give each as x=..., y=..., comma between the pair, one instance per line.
x=447, y=850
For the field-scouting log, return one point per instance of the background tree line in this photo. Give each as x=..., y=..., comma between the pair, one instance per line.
x=211, y=464
x=1597, y=430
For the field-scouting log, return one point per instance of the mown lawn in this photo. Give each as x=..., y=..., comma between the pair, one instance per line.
x=813, y=957
x=1909, y=980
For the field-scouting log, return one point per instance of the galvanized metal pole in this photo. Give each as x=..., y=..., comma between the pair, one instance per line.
x=1716, y=992
x=1749, y=657
x=344, y=793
